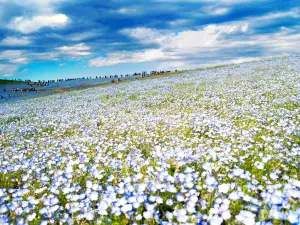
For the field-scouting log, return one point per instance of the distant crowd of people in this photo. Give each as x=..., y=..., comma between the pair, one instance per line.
x=24, y=90
x=40, y=83
x=160, y=72
x=2, y=97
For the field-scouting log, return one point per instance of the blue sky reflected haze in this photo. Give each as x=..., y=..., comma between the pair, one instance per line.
x=45, y=39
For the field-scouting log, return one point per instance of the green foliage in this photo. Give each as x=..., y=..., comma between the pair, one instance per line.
x=3, y=82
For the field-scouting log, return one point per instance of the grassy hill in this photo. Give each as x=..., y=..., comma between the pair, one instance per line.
x=219, y=145
x=3, y=81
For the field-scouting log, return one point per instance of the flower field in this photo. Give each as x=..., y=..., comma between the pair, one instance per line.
x=216, y=146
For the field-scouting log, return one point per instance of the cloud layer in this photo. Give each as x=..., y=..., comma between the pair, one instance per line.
x=29, y=25
x=175, y=34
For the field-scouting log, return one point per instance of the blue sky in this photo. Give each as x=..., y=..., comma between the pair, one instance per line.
x=50, y=39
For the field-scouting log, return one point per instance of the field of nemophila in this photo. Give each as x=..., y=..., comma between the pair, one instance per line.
x=217, y=146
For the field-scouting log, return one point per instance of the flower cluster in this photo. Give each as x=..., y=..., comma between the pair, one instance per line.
x=215, y=146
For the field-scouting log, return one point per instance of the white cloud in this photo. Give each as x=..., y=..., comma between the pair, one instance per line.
x=12, y=60
x=228, y=2
x=78, y=36
x=30, y=2
x=208, y=38
x=177, y=64
x=213, y=10
x=195, y=39
x=220, y=11
x=44, y=56
x=10, y=54
x=13, y=56
x=75, y=50
x=178, y=23
x=7, y=69
x=294, y=13
x=15, y=41
x=7, y=75
x=281, y=42
x=232, y=2
x=147, y=35
x=131, y=11
x=19, y=60
x=82, y=35
x=29, y=25
x=172, y=47
x=187, y=48
x=39, y=6
x=242, y=60
x=128, y=57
